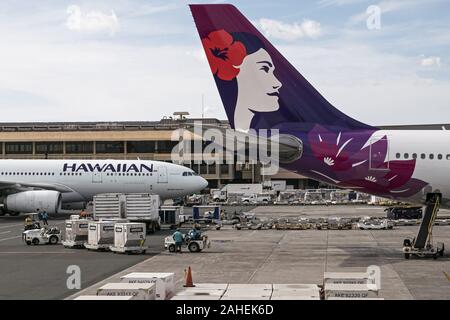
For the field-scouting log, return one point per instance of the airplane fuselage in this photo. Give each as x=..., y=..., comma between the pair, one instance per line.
x=80, y=180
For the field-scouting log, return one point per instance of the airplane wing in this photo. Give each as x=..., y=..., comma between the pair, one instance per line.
x=13, y=187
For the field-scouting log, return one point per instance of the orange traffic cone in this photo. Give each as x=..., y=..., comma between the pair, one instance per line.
x=188, y=278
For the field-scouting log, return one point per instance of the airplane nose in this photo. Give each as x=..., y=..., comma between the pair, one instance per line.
x=204, y=183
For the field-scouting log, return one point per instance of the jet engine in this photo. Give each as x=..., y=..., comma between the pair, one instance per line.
x=30, y=201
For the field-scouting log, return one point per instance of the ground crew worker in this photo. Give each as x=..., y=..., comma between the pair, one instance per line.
x=195, y=233
x=178, y=238
x=28, y=221
x=45, y=218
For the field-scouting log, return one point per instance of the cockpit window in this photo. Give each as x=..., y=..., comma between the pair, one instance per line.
x=189, y=174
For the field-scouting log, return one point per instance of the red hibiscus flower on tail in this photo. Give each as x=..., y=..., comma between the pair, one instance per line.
x=224, y=54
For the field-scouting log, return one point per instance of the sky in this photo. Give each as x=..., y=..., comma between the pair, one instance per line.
x=139, y=60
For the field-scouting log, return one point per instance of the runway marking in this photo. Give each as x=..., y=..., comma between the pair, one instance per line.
x=11, y=238
x=5, y=232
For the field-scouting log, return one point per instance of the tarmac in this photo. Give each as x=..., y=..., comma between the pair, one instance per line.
x=282, y=256
x=40, y=272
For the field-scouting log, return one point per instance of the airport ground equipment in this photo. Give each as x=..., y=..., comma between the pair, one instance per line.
x=170, y=216
x=76, y=233
x=190, y=244
x=139, y=291
x=262, y=199
x=352, y=291
x=406, y=222
x=423, y=245
x=44, y=235
x=100, y=235
x=206, y=214
x=348, y=278
x=370, y=223
x=338, y=223
x=91, y=297
x=129, y=238
x=135, y=207
x=164, y=282
x=404, y=212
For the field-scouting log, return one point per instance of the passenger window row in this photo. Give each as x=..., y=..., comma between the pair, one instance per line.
x=27, y=173
x=422, y=156
x=128, y=174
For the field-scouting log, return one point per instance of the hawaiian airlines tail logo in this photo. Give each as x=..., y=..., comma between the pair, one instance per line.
x=244, y=73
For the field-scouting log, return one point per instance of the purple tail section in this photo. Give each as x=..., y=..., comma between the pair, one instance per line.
x=259, y=88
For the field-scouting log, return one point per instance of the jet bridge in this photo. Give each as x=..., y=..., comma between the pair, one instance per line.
x=423, y=244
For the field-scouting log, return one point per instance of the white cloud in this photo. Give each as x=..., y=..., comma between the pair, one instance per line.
x=92, y=21
x=285, y=31
x=431, y=62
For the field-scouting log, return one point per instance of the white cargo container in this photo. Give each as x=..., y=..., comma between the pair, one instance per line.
x=278, y=185
x=100, y=235
x=164, y=282
x=237, y=292
x=250, y=286
x=203, y=297
x=135, y=207
x=296, y=292
x=201, y=292
x=347, y=278
x=129, y=238
x=354, y=291
x=139, y=291
x=76, y=233
x=104, y=298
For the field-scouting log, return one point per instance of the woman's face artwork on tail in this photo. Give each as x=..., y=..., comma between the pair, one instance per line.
x=243, y=67
x=256, y=68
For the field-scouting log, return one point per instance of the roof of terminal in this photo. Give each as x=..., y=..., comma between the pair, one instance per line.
x=164, y=124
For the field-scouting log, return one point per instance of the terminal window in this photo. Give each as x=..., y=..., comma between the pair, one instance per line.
x=166, y=146
x=19, y=147
x=80, y=147
x=49, y=147
x=141, y=146
x=110, y=147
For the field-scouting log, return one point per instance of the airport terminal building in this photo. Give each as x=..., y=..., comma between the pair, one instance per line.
x=147, y=140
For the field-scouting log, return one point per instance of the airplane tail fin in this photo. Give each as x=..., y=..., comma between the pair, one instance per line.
x=259, y=88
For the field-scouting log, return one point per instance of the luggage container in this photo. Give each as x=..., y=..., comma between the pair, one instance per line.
x=164, y=282
x=100, y=235
x=248, y=292
x=216, y=298
x=135, y=207
x=129, y=238
x=201, y=292
x=76, y=233
x=296, y=292
x=139, y=291
x=347, y=278
x=104, y=298
x=353, y=291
